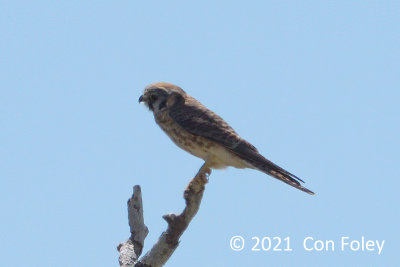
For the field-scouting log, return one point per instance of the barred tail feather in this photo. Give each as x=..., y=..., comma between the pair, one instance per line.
x=249, y=153
x=286, y=179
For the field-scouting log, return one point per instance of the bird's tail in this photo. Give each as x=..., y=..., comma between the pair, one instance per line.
x=285, y=177
x=262, y=164
x=250, y=154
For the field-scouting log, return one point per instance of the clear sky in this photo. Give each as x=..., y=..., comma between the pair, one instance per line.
x=314, y=85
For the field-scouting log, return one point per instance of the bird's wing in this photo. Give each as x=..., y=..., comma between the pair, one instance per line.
x=200, y=121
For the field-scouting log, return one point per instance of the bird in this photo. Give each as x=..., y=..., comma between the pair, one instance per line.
x=201, y=132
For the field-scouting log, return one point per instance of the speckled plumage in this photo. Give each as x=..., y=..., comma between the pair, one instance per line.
x=204, y=134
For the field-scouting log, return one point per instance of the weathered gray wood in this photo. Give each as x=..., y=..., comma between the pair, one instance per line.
x=131, y=250
x=169, y=240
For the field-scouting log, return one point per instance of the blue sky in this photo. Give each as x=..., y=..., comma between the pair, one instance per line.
x=314, y=85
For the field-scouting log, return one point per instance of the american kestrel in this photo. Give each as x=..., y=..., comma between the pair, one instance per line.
x=204, y=134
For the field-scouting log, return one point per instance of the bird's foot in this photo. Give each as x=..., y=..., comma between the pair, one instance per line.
x=197, y=184
x=203, y=174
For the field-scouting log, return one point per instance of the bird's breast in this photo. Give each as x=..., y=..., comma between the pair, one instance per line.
x=196, y=145
x=215, y=154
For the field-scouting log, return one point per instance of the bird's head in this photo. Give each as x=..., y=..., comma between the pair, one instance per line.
x=159, y=96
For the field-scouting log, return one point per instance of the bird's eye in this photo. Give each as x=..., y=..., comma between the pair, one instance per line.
x=153, y=98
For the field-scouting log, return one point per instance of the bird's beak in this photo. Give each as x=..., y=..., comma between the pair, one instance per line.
x=141, y=99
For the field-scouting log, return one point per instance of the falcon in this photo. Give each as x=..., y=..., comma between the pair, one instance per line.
x=204, y=134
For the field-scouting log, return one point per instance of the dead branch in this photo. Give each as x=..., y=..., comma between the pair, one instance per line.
x=162, y=250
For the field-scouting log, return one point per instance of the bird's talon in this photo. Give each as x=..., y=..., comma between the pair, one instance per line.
x=204, y=179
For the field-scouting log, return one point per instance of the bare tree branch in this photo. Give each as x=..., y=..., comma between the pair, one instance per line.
x=132, y=248
x=169, y=240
